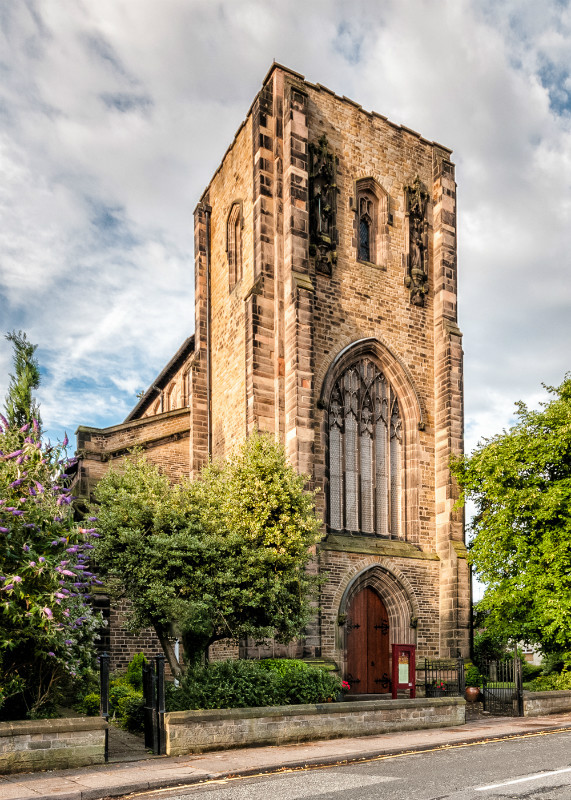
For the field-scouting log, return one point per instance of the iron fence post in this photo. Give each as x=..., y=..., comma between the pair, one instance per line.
x=160, y=703
x=104, y=696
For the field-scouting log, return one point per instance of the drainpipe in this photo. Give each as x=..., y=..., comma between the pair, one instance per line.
x=207, y=212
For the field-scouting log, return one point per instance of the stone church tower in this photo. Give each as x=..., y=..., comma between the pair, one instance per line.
x=325, y=314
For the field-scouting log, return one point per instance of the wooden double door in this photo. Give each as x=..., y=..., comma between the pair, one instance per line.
x=367, y=630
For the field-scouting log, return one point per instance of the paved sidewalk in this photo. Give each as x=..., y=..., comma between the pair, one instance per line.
x=114, y=780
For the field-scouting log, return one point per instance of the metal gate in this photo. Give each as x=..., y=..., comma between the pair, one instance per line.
x=154, y=709
x=154, y=702
x=502, y=687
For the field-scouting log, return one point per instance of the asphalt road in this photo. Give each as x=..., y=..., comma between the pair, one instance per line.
x=537, y=767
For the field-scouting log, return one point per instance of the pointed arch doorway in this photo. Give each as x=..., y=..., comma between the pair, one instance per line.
x=367, y=631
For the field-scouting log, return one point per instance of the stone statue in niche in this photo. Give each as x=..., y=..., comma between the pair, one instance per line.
x=322, y=206
x=416, y=278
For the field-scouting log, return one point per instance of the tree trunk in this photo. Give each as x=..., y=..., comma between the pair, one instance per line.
x=168, y=650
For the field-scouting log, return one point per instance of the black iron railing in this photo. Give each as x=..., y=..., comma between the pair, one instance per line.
x=443, y=677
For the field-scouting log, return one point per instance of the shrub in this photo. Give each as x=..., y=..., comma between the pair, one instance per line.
x=130, y=712
x=90, y=705
x=530, y=671
x=303, y=683
x=227, y=684
x=552, y=682
x=250, y=684
x=473, y=676
x=134, y=674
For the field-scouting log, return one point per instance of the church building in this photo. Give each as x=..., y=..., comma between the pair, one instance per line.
x=326, y=315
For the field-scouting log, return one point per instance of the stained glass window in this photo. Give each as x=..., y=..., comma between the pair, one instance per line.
x=365, y=453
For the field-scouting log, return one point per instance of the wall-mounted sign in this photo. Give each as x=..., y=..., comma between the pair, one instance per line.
x=404, y=668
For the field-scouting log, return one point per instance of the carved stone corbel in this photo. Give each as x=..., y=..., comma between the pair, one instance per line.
x=416, y=255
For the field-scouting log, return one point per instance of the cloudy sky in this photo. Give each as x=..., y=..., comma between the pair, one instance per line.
x=114, y=114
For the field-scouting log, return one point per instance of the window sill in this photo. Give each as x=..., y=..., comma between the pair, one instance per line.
x=382, y=267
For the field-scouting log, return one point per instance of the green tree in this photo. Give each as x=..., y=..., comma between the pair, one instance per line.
x=222, y=557
x=520, y=482
x=21, y=406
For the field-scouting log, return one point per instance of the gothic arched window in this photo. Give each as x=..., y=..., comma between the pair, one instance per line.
x=371, y=221
x=365, y=453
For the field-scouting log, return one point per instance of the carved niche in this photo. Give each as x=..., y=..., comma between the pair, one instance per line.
x=416, y=258
x=322, y=206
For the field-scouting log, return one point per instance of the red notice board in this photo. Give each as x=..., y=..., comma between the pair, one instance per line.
x=404, y=668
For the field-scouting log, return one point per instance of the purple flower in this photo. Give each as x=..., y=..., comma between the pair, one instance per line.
x=51, y=654
x=39, y=486
x=3, y=530
x=48, y=612
x=68, y=573
x=17, y=512
x=32, y=491
x=92, y=519
x=32, y=563
x=24, y=428
x=4, y=420
x=35, y=424
x=15, y=483
x=26, y=548
x=17, y=579
x=9, y=586
x=65, y=441
x=41, y=559
x=14, y=454
x=68, y=641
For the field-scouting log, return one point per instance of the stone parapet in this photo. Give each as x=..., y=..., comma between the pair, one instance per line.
x=30, y=745
x=537, y=704
x=220, y=729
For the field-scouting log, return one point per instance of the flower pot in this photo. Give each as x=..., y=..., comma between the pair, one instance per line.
x=433, y=691
x=472, y=694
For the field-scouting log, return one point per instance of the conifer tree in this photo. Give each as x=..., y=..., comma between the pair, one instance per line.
x=21, y=406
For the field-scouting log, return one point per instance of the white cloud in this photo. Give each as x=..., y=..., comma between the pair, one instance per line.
x=114, y=115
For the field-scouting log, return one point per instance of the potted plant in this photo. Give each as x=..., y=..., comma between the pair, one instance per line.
x=436, y=689
x=473, y=683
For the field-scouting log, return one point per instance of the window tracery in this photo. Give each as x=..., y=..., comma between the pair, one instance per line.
x=365, y=453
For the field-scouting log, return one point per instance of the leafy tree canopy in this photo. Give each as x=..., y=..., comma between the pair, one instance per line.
x=224, y=556
x=520, y=482
x=21, y=405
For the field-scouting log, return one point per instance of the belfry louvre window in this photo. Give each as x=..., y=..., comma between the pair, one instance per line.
x=365, y=453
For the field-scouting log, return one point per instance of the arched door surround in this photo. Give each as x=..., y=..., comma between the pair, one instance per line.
x=400, y=606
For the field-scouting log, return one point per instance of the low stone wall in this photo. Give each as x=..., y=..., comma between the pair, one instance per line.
x=537, y=704
x=199, y=731
x=30, y=745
